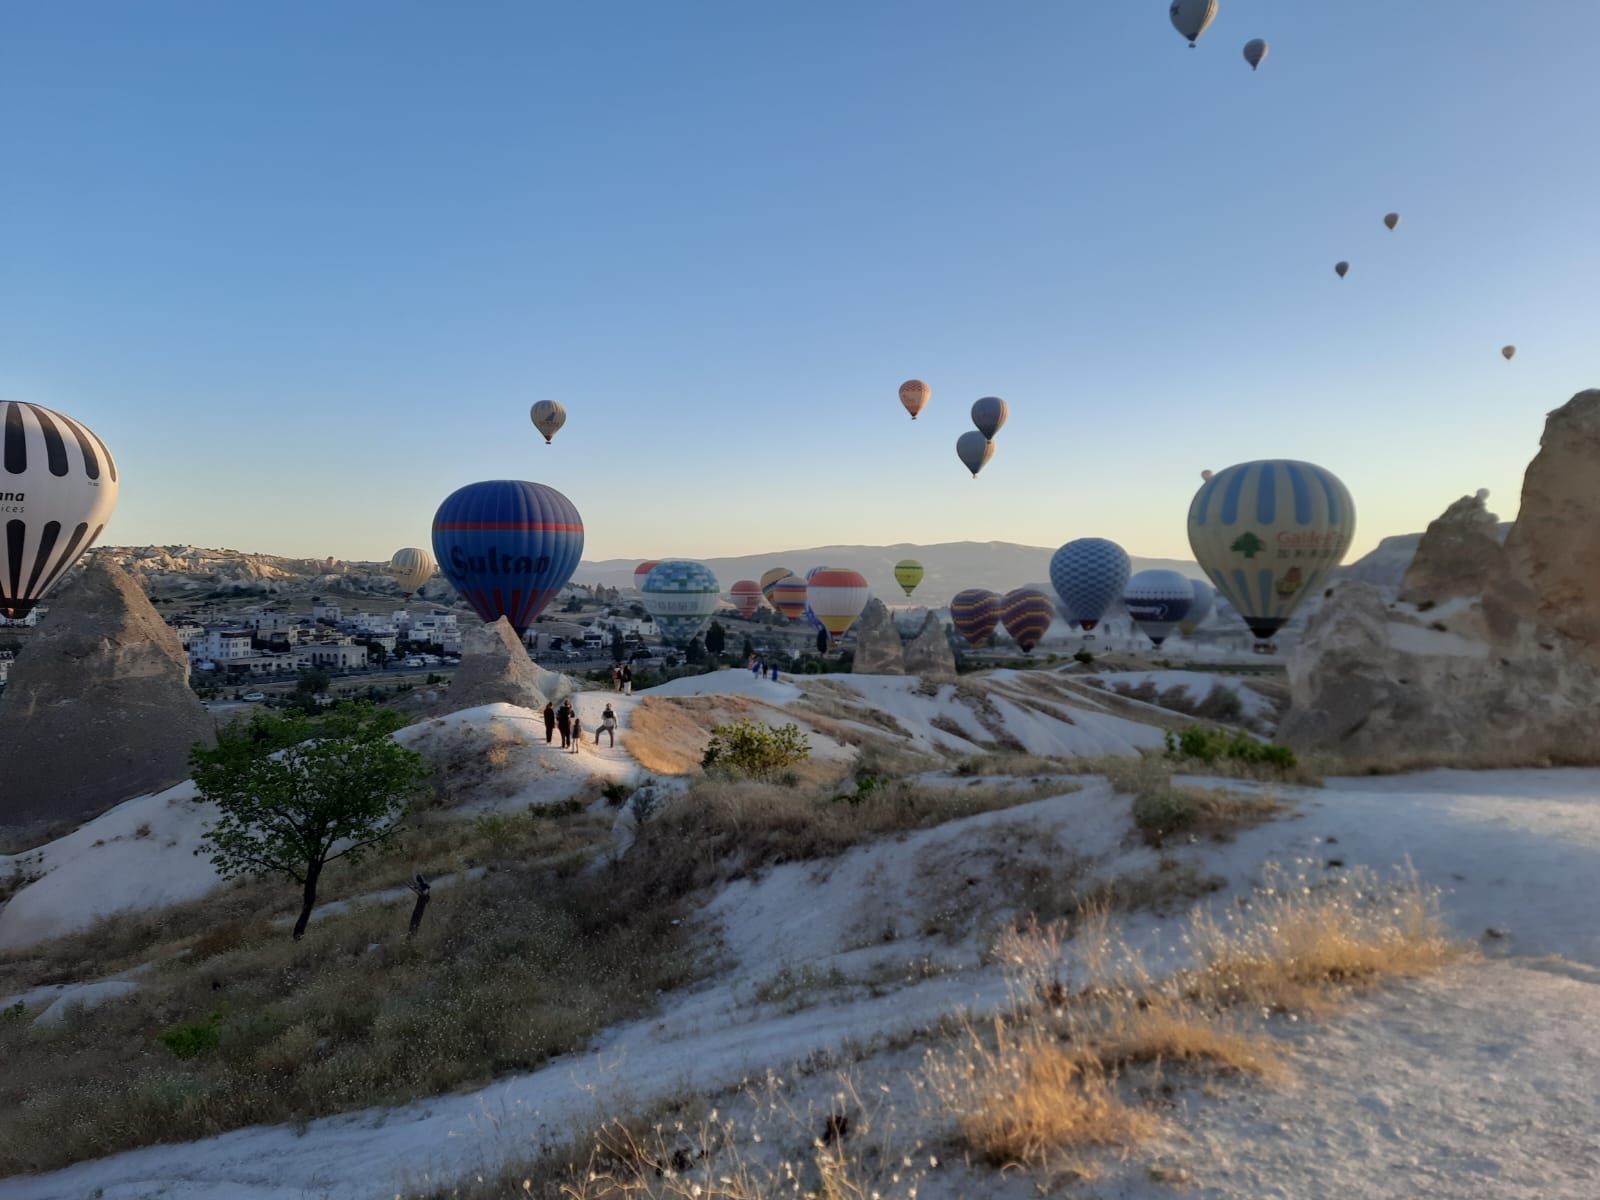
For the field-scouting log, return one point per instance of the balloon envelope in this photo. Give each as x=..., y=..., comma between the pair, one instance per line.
x=746, y=596
x=914, y=395
x=975, y=612
x=1341, y=269
x=1205, y=474
x=1391, y=220
x=642, y=572
x=508, y=546
x=1267, y=533
x=974, y=450
x=908, y=573
x=58, y=487
x=788, y=596
x=836, y=597
x=1508, y=352
x=1157, y=601
x=989, y=414
x=681, y=597
x=1205, y=600
x=412, y=567
x=1026, y=613
x=1254, y=51
x=1191, y=17
x=548, y=418
x=1089, y=574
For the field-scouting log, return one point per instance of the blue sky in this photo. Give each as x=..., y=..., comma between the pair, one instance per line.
x=305, y=267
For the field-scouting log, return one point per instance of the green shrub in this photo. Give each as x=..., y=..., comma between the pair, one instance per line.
x=755, y=750
x=195, y=1039
x=1208, y=745
x=1084, y=657
x=866, y=786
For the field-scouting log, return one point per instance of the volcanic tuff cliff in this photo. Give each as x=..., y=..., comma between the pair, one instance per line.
x=98, y=708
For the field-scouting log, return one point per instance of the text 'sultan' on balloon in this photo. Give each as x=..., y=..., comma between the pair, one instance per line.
x=58, y=487
x=989, y=414
x=412, y=567
x=1191, y=17
x=548, y=418
x=908, y=573
x=974, y=450
x=1088, y=574
x=1267, y=533
x=508, y=546
x=914, y=395
x=1026, y=613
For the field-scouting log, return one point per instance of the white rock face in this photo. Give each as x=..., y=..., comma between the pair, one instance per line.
x=495, y=669
x=878, y=647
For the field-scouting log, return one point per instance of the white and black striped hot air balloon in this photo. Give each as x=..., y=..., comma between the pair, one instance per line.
x=58, y=486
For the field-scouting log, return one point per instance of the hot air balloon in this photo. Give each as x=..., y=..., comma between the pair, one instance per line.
x=746, y=596
x=788, y=596
x=769, y=579
x=1205, y=474
x=1341, y=269
x=1508, y=352
x=642, y=572
x=908, y=573
x=412, y=567
x=1267, y=533
x=989, y=414
x=975, y=612
x=1254, y=51
x=508, y=546
x=974, y=450
x=548, y=418
x=58, y=487
x=1190, y=17
x=1205, y=599
x=914, y=395
x=681, y=598
x=1391, y=220
x=1157, y=601
x=1026, y=613
x=836, y=596
x=1088, y=574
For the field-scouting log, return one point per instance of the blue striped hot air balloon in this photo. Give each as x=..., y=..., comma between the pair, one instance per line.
x=1089, y=575
x=975, y=612
x=1026, y=613
x=1267, y=533
x=508, y=546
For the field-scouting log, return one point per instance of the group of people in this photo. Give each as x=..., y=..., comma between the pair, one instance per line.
x=622, y=678
x=566, y=720
x=759, y=668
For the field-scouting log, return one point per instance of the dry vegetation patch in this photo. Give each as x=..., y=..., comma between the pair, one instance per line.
x=528, y=962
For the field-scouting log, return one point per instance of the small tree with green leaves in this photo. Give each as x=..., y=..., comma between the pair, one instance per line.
x=755, y=750
x=716, y=639
x=298, y=792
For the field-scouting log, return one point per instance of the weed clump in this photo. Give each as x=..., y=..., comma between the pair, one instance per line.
x=755, y=750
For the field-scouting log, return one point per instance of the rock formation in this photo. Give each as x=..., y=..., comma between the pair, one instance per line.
x=496, y=669
x=1492, y=655
x=929, y=652
x=1554, y=548
x=98, y=708
x=878, y=648
x=1460, y=555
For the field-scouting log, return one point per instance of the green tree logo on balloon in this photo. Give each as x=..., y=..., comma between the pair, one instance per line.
x=1248, y=544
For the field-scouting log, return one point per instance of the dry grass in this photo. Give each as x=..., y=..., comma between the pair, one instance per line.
x=528, y=962
x=725, y=829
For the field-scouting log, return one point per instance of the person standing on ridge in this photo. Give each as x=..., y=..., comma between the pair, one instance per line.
x=564, y=723
x=577, y=732
x=549, y=723
x=608, y=726
x=627, y=679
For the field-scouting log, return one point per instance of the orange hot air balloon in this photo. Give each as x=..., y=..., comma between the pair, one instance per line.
x=789, y=597
x=746, y=596
x=914, y=395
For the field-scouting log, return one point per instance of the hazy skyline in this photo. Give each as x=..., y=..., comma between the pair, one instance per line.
x=304, y=269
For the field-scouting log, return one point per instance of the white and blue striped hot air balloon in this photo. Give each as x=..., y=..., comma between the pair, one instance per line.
x=1158, y=600
x=1267, y=533
x=58, y=487
x=1089, y=575
x=681, y=597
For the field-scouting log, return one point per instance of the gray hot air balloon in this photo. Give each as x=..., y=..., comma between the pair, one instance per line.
x=1190, y=17
x=1391, y=220
x=1341, y=269
x=1254, y=51
x=548, y=418
x=989, y=414
x=1508, y=352
x=974, y=450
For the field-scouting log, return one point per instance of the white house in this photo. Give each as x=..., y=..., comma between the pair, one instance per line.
x=187, y=631
x=221, y=646
x=335, y=657
x=325, y=612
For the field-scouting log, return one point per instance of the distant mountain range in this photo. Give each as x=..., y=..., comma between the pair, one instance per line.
x=949, y=567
